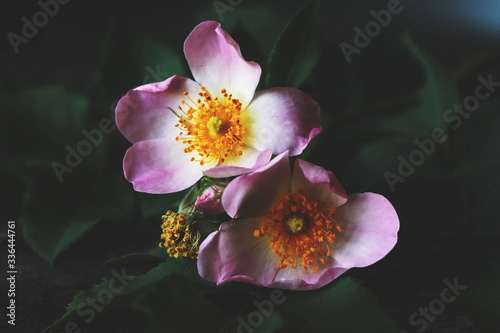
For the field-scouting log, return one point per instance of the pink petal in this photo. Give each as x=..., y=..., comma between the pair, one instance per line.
x=160, y=166
x=143, y=113
x=299, y=279
x=281, y=119
x=253, y=194
x=237, y=167
x=369, y=230
x=317, y=184
x=216, y=62
x=234, y=254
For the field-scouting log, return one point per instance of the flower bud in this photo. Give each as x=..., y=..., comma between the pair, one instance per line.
x=209, y=202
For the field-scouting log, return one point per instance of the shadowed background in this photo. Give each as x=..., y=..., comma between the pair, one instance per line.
x=87, y=224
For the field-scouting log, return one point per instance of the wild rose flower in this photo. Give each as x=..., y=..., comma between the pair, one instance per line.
x=295, y=231
x=218, y=125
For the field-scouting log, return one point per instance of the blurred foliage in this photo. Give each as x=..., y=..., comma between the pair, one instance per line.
x=477, y=163
x=297, y=49
x=374, y=110
x=343, y=301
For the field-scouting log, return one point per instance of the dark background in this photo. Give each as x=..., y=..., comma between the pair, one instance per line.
x=68, y=77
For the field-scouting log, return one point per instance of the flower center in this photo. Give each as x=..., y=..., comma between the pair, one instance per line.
x=214, y=125
x=295, y=223
x=178, y=236
x=210, y=127
x=299, y=231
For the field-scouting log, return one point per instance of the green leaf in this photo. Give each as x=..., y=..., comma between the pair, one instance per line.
x=131, y=59
x=375, y=159
x=62, y=167
x=478, y=161
x=248, y=43
x=57, y=214
x=480, y=300
x=111, y=198
x=339, y=307
x=439, y=92
x=135, y=258
x=54, y=109
x=129, y=284
x=381, y=137
x=297, y=49
x=51, y=218
x=422, y=111
x=165, y=295
x=158, y=204
x=271, y=324
x=253, y=17
x=159, y=62
x=50, y=118
x=67, y=191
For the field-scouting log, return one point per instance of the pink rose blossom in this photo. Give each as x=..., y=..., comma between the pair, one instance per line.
x=216, y=125
x=295, y=230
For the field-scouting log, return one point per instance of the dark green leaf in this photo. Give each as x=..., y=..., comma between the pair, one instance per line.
x=134, y=258
x=248, y=43
x=51, y=213
x=390, y=155
x=439, y=92
x=244, y=15
x=271, y=324
x=57, y=214
x=54, y=109
x=158, y=204
x=478, y=161
x=111, y=198
x=131, y=60
x=41, y=122
x=339, y=307
x=129, y=284
x=297, y=49
x=480, y=300
x=165, y=295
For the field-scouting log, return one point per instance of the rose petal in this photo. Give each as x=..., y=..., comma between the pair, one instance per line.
x=369, y=230
x=281, y=119
x=317, y=184
x=160, y=166
x=299, y=279
x=144, y=114
x=216, y=62
x=253, y=194
x=236, y=167
x=234, y=253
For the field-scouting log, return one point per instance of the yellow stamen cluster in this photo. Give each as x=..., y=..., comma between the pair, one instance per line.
x=211, y=127
x=299, y=231
x=178, y=237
